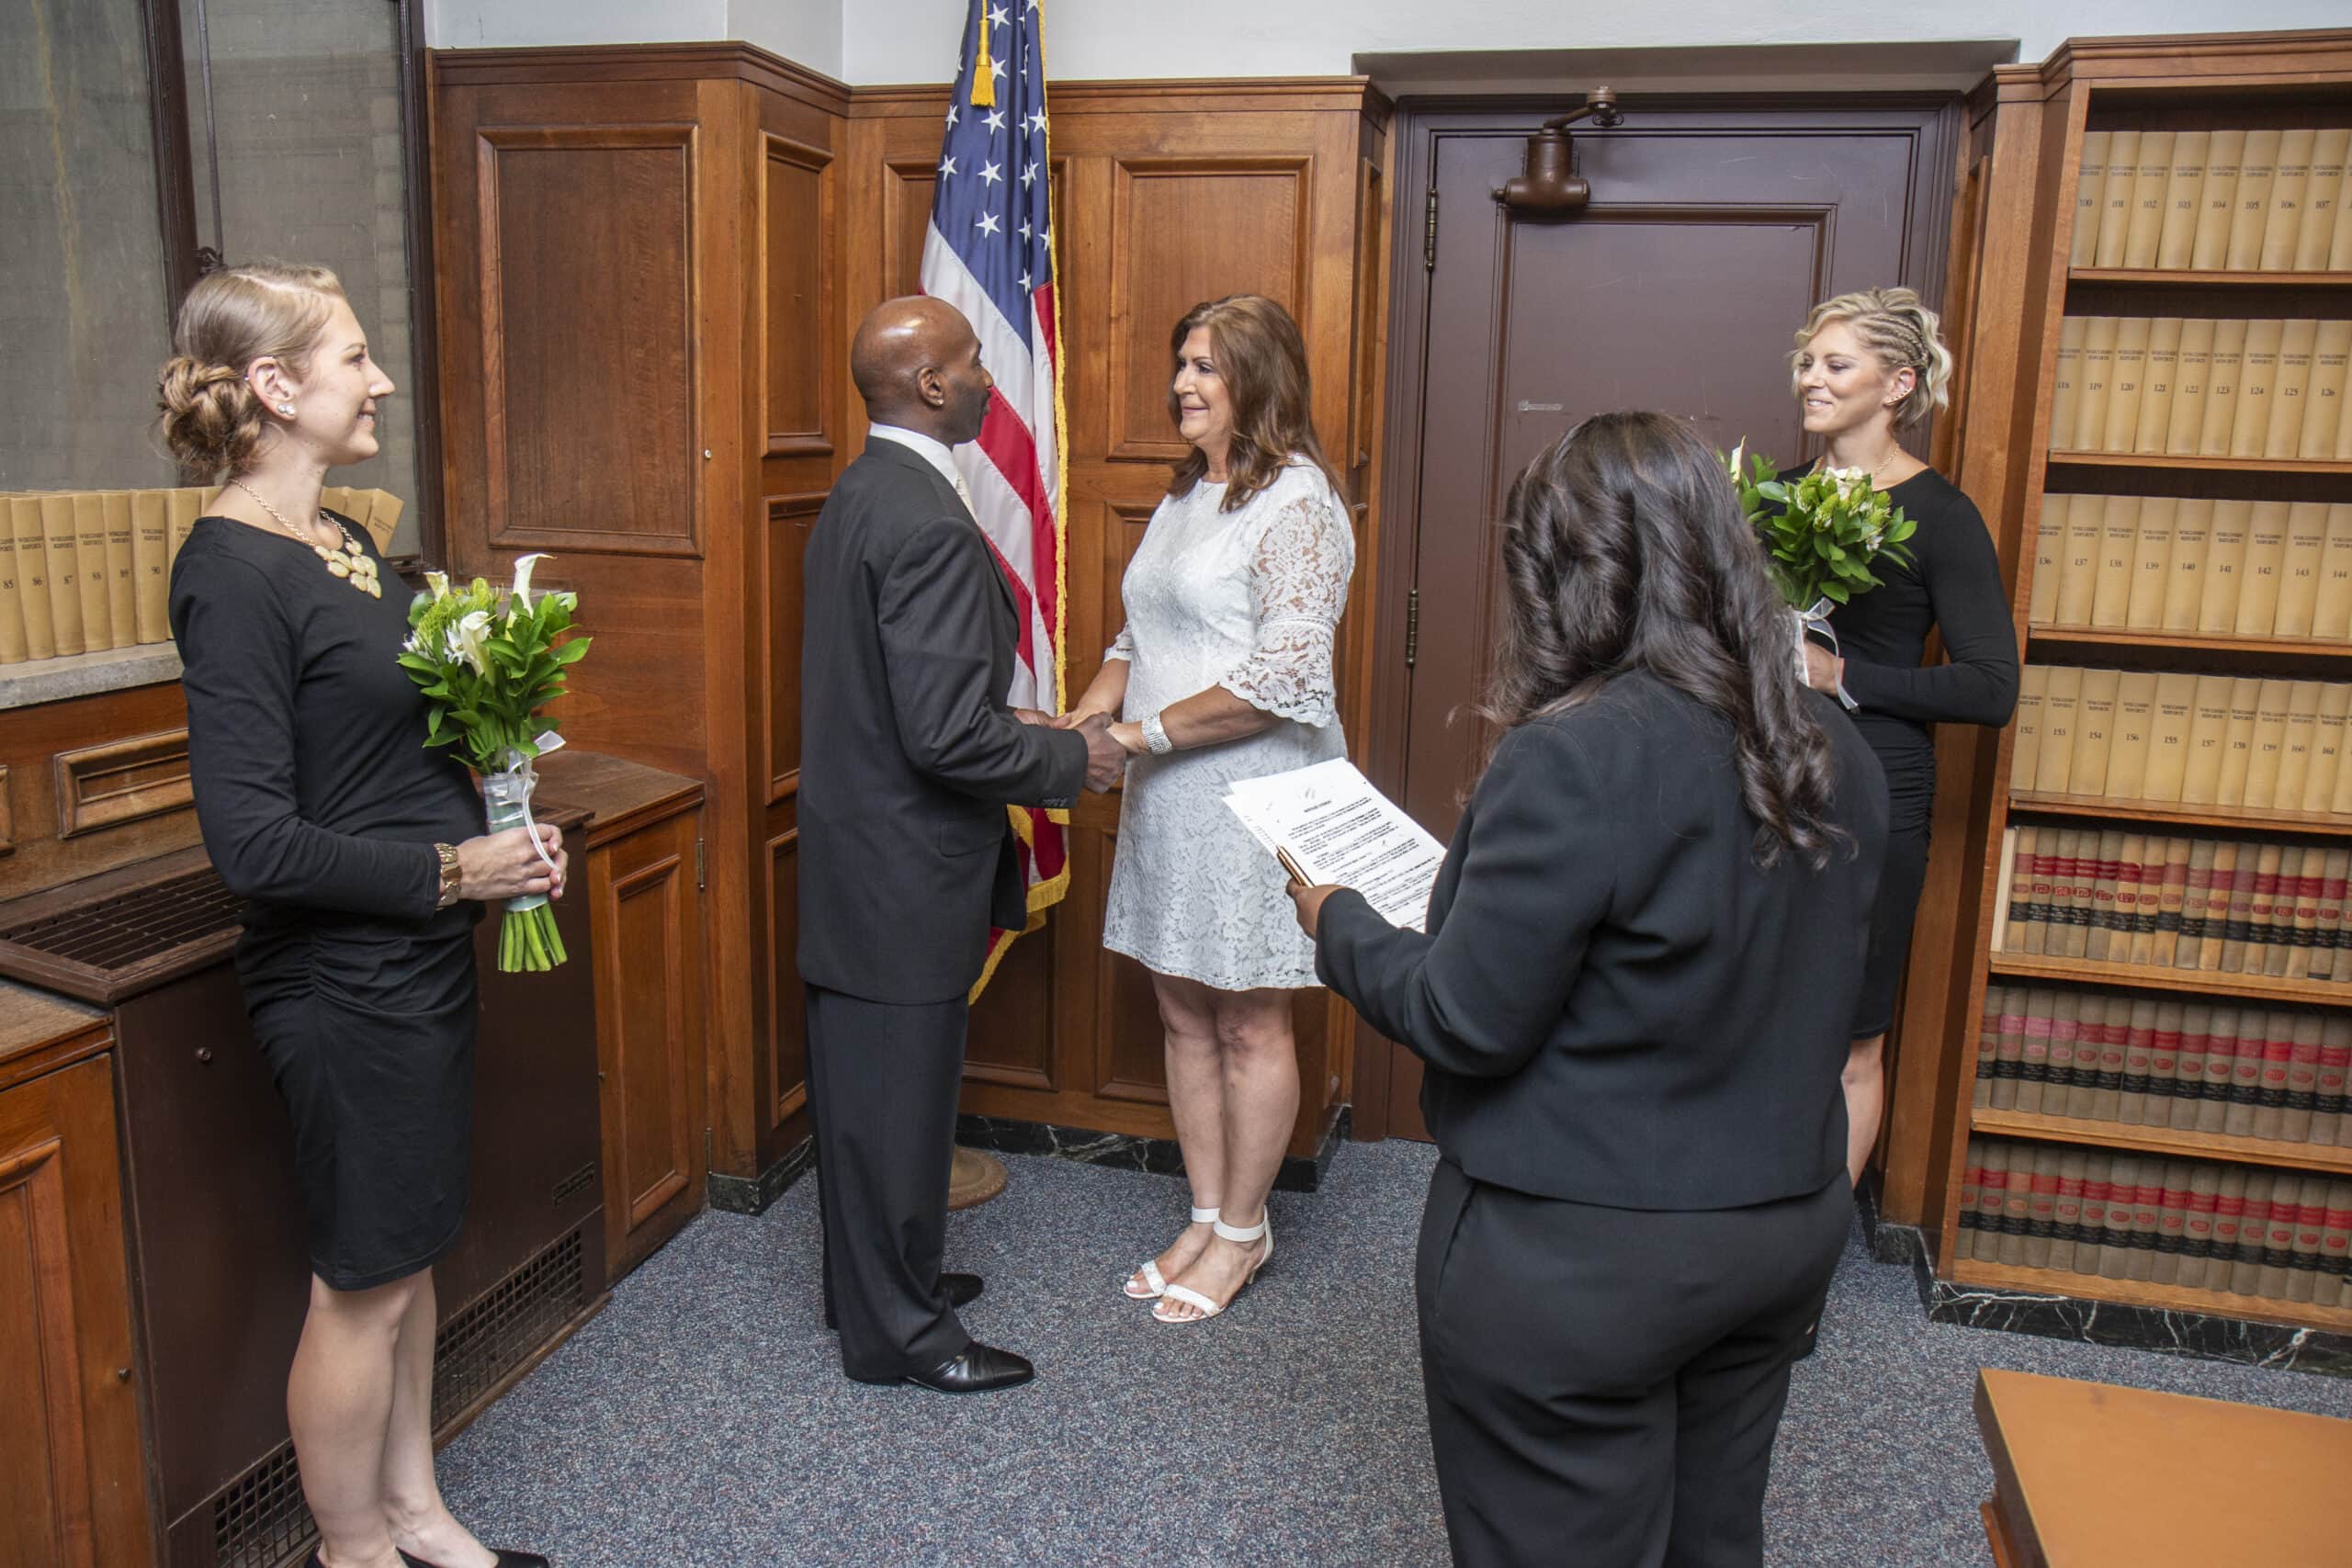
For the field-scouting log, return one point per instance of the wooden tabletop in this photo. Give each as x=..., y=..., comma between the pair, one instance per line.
x=618, y=796
x=2089, y=1475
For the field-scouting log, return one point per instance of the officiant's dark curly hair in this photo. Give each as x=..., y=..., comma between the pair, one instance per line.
x=1262, y=357
x=1625, y=550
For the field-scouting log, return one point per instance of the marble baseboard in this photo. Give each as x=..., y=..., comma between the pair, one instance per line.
x=1158, y=1156
x=1890, y=1241
x=753, y=1194
x=87, y=674
x=2170, y=1331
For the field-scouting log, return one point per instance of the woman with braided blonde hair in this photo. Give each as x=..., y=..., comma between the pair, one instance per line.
x=361, y=859
x=1867, y=366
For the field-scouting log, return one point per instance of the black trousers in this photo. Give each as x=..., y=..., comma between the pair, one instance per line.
x=1605, y=1384
x=882, y=1085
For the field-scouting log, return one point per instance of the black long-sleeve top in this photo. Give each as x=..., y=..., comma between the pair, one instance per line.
x=1953, y=584
x=1616, y=1005
x=316, y=796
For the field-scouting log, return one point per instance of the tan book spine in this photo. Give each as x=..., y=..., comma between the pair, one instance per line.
x=2099, y=936
x=2323, y=399
x=2339, y=250
x=2224, y=566
x=2144, y=227
x=2094, y=731
x=2196, y=896
x=2339, y=802
x=64, y=572
x=93, y=573
x=2192, y=536
x=2158, y=384
x=2026, y=746
x=2170, y=894
x=12, y=609
x=2030, y=899
x=2078, y=854
x=384, y=519
x=2126, y=384
x=2049, y=561
x=2079, y=570
x=2213, y=954
x=2327, y=746
x=2299, y=573
x=2066, y=383
x=33, y=605
x=2302, y=745
x=2151, y=563
x=182, y=507
x=2218, y=203
x=2304, y=933
x=2257, y=168
x=2115, y=196
x=2090, y=404
x=150, y=565
x=2290, y=394
x=2090, y=185
x=2237, y=747
x=2168, y=745
x=2329, y=150
x=2150, y=878
x=2221, y=388
x=2119, y=537
x=2282, y=230
x=123, y=617
x=2208, y=736
x=2136, y=720
x=2274, y=927
x=2332, y=615
x=2266, y=557
x=2185, y=422
x=2176, y=241
x=2269, y=754
x=2061, y=690
x=2258, y=386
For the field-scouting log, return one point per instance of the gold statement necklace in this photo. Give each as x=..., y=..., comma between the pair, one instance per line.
x=349, y=561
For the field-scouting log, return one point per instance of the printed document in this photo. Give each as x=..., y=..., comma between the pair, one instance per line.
x=1331, y=826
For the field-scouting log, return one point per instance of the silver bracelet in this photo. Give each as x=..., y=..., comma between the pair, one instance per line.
x=1155, y=737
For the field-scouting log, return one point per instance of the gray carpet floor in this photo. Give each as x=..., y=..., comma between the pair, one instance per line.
x=702, y=1418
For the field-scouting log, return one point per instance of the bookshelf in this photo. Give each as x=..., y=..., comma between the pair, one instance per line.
x=2101, y=303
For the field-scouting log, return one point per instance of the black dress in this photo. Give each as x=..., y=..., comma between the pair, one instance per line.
x=320, y=804
x=1953, y=584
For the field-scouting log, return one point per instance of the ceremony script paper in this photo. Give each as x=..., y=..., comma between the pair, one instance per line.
x=1338, y=829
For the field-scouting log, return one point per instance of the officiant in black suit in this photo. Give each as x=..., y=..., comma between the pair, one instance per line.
x=909, y=756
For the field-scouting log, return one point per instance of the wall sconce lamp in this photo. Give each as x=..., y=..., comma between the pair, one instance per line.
x=1549, y=186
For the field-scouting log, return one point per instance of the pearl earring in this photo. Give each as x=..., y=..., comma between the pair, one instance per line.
x=285, y=409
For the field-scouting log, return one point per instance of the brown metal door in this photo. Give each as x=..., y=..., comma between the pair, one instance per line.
x=1711, y=230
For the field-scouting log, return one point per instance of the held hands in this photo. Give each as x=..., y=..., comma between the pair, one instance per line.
x=1106, y=759
x=503, y=865
x=1824, y=670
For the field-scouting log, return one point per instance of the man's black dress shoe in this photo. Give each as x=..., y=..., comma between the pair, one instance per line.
x=963, y=1290
x=506, y=1559
x=976, y=1369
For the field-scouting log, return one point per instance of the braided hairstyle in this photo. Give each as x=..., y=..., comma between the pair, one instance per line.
x=1901, y=333
x=212, y=420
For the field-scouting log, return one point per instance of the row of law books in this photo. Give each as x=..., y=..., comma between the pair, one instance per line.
x=86, y=571
x=2108, y=896
x=2203, y=1224
x=2201, y=386
x=2190, y=1066
x=2177, y=739
x=2215, y=200
x=2272, y=568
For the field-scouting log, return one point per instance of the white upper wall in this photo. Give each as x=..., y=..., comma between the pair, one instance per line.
x=871, y=41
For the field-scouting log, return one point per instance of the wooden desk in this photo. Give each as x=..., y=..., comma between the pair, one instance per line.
x=2089, y=1475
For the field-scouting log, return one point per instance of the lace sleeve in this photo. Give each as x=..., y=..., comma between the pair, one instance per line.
x=1125, y=647
x=1298, y=586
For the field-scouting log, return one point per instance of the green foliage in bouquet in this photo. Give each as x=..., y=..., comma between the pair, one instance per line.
x=1821, y=533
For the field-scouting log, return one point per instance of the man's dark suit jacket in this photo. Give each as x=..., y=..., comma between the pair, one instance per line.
x=909, y=754
x=1616, y=1005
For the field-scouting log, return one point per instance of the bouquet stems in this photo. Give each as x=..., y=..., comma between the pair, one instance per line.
x=528, y=939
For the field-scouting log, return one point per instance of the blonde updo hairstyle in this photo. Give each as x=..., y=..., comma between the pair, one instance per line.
x=1901, y=333
x=212, y=418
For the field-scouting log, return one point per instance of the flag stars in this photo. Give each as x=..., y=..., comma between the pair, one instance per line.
x=997, y=68
x=946, y=167
x=995, y=120
x=1024, y=230
x=1037, y=121
x=988, y=223
x=1029, y=176
x=991, y=172
x=997, y=16
x=951, y=108
x=1026, y=285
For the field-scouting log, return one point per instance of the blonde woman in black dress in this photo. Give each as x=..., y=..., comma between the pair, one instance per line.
x=1867, y=366
x=361, y=856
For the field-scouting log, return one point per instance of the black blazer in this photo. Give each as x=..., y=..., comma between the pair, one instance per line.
x=1617, y=1007
x=909, y=754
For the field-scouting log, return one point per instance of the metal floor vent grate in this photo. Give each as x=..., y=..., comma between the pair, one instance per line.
x=113, y=942
x=259, y=1520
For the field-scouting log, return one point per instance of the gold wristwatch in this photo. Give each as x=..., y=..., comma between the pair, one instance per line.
x=451, y=878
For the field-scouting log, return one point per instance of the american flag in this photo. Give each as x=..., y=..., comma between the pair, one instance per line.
x=990, y=253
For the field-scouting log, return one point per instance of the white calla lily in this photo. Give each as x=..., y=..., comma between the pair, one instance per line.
x=523, y=578
x=469, y=641
x=439, y=582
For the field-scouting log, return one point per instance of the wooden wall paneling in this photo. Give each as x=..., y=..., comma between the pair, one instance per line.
x=790, y=519
x=110, y=829
x=787, y=1035
x=120, y=782
x=800, y=353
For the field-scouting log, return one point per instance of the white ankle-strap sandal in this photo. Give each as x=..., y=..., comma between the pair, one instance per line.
x=1209, y=1309
x=1150, y=1270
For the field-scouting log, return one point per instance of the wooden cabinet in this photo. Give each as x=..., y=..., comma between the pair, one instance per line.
x=640, y=865
x=70, y=1466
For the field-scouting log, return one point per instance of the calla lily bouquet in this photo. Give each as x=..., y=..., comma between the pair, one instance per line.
x=489, y=660
x=1821, y=533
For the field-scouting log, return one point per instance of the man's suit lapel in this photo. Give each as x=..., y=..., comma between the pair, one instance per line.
x=913, y=462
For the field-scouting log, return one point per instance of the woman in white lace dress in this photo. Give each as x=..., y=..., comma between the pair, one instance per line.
x=1223, y=672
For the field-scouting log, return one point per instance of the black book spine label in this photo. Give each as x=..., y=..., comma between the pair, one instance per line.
x=2278, y=1257
x=2237, y=931
x=2328, y=1104
x=2170, y=1241
x=2300, y=1099
x=2168, y=920
x=2190, y=1247
x=2135, y=1083
x=2033, y=1072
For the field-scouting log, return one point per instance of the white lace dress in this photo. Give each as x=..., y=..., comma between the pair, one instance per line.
x=1249, y=601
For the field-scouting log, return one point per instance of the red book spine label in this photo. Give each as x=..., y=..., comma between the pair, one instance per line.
x=2035, y=1066
x=2278, y=1061
x=2197, y=1232
x=2334, y=1061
